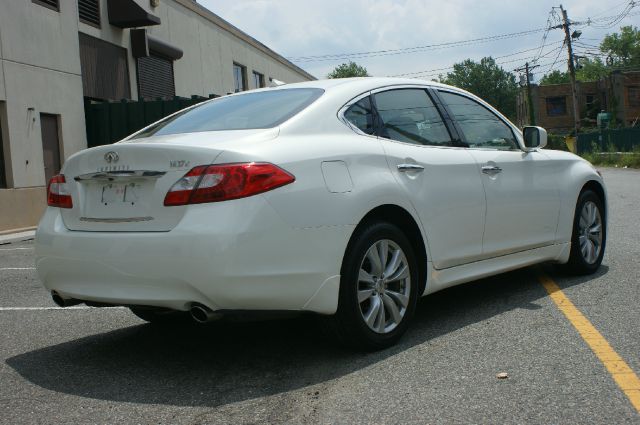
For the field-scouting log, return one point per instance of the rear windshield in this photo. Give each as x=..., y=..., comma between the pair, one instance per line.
x=263, y=109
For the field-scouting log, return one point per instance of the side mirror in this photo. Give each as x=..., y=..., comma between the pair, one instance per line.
x=534, y=138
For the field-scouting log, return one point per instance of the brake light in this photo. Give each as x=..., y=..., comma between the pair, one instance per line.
x=215, y=183
x=57, y=193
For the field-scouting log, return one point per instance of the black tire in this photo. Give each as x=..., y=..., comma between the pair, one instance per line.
x=577, y=264
x=348, y=325
x=161, y=316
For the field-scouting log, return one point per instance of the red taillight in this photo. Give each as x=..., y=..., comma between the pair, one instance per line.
x=57, y=193
x=215, y=183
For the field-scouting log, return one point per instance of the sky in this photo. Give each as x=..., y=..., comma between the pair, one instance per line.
x=302, y=28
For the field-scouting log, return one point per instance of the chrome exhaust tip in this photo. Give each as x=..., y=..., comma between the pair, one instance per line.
x=64, y=302
x=202, y=314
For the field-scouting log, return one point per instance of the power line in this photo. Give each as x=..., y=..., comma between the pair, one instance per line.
x=608, y=10
x=432, y=73
x=451, y=67
x=546, y=33
x=415, y=49
x=609, y=21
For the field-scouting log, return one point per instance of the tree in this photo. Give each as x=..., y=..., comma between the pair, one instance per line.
x=591, y=69
x=555, y=77
x=586, y=70
x=487, y=80
x=347, y=70
x=623, y=47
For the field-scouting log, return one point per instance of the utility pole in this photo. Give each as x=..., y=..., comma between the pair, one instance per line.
x=532, y=115
x=527, y=69
x=572, y=70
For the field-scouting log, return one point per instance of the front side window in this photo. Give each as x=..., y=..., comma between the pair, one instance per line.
x=409, y=115
x=481, y=127
x=556, y=106
x=360, y=114
x=252, y=110
x=239, y=77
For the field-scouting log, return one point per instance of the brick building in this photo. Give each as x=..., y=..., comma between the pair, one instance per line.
x=619, y=93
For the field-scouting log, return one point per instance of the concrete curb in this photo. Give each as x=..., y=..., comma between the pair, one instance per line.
x=17, y=237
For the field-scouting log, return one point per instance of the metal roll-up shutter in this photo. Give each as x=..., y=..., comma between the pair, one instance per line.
x=105, y=72
x=155, y=77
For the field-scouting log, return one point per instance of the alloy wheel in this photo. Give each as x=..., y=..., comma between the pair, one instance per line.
x=590, y=232
x=384, y=286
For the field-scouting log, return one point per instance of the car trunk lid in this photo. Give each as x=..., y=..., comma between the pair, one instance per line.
x=121, y=187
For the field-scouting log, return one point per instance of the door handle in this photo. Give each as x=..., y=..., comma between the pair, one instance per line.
x=403, y=168
x=491, y=169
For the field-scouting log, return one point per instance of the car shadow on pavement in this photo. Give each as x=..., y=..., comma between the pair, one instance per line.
x=224, y=363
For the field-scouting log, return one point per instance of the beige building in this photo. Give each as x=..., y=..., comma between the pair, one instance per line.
x=54, y=54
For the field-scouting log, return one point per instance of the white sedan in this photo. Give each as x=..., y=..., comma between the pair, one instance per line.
x=348, y=198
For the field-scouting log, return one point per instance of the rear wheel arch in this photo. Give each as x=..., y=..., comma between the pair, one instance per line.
x=401, y=218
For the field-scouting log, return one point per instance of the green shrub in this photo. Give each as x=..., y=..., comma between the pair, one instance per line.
x=614, y=159
x=556, y=141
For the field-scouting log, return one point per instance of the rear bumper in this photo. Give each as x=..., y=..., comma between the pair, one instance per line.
x=231, y=255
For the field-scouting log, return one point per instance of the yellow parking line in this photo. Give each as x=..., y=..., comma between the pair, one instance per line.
x=620, y=371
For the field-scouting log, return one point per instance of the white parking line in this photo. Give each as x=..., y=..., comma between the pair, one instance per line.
x=15, y=249
x=17, y=268
x=78, y=307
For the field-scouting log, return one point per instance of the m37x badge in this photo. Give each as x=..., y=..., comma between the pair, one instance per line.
x=179, y=163
x=111, y=156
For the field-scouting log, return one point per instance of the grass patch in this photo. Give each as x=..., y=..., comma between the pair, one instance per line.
x=614, y=159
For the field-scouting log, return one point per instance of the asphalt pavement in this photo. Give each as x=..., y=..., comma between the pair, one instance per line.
x=89, y=365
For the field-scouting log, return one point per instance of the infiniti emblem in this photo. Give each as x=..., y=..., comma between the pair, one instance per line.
x=111, y=157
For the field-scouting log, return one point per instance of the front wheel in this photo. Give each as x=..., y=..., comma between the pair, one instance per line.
x=378, y=288
x=589, y=235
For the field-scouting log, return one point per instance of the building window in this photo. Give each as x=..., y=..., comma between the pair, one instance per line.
x=590, y=100
x=155, y=77
x=258, y=80
x=51, y=4
x=239, y=77
x=556, y=106
x=633, y=94
x=105, y=72
x=89, y=12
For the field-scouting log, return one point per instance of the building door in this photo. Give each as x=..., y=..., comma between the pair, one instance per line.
x=3, y=173
x=50, y=145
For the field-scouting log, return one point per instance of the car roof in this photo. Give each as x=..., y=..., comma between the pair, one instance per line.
x=372, y=82
x=345, y=88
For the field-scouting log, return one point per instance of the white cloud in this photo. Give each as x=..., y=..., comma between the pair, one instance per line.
x=313, y=27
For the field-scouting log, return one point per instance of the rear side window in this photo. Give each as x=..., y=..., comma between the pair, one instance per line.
x=242, y=112
x=409, y=115
x=360, y=114
x=481, y=127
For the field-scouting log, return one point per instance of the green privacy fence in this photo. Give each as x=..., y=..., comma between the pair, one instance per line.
x=108, y=122
x=618, y=140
